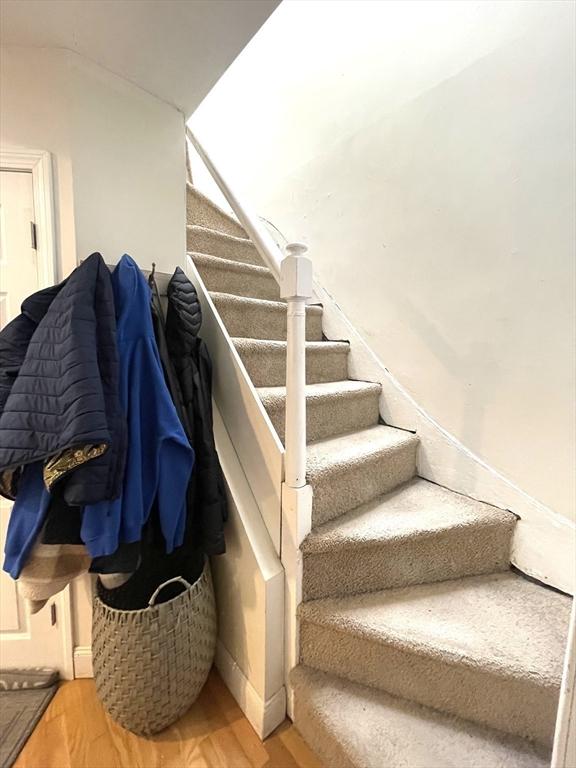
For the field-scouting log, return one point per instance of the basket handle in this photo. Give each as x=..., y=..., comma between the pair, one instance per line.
x=159, y=589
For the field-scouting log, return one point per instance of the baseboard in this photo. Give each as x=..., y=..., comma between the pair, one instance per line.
x=263, y=716
x=544, y=542
x=83, y=661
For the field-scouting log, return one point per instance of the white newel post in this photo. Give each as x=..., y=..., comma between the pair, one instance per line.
x=296, y=288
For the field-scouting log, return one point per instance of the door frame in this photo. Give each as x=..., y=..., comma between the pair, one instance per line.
x=39, y=163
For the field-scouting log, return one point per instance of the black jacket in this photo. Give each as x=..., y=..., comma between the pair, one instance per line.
x=191, y=361
x=59, y=389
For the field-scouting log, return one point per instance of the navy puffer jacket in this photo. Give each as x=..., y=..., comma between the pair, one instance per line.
x=59, y=389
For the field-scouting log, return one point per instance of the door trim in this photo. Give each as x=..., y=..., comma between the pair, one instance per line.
x=39, y=163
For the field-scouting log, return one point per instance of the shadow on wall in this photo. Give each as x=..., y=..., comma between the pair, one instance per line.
x=459, y=207
x=472, y=405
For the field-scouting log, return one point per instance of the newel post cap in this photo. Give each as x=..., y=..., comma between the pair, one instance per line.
x=296, y=273
x=296, y=249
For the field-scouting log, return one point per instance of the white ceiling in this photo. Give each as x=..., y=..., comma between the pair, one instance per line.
x=175, y=49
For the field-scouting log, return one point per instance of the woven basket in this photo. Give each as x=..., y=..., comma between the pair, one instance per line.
x=151, y=664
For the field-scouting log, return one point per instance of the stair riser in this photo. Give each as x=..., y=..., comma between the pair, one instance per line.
x=212, y=244
x=349, y=486
x=309, y=722
x=252, y=322
x=269, y=369
x=330, y=416
x=448, y=554
x=254, y=286
x=516, y=706
x=200, y=212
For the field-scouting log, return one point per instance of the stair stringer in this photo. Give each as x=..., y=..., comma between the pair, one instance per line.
x=259, y=450
x=249, y=585
x=544, y=542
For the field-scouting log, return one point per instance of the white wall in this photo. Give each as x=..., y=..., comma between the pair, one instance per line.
x=129, y=168
x=425, y=151
x=119, y=173
x=174, y=49
x=34, y=98
x=118, y=155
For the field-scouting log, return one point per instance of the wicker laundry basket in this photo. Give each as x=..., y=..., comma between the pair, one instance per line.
x=151, y=664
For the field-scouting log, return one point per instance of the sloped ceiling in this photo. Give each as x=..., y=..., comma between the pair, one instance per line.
x=174, y=49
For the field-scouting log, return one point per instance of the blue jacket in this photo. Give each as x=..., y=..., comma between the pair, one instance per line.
x=26, y=518
x=159, y=458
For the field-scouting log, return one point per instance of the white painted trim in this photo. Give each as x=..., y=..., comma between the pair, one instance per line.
x=564, y=752
x=544, y=543
x=271, y=678
x=296, y=288
x=83, y=661
x=296, y=524
x=64, y=618
x=39, y=163
x=255, y=441
x=252, y=522
x=263, y=716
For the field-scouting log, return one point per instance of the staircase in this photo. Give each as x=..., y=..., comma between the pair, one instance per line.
x=419, y=647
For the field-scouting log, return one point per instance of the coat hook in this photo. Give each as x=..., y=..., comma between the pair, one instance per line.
x=151, y=275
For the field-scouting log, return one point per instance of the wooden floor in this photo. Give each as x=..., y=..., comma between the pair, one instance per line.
x=75, y=732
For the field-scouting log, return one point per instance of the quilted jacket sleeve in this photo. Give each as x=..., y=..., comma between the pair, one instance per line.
x=56, y=411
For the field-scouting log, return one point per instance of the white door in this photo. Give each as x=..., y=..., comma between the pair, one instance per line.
x=44, y=639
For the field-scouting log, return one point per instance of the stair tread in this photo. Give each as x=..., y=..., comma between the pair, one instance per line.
x=280, y=346
x=352, y=725
x=353, y=448
x=346, y=387
x=230, y=265
x=265, y=360
x=268, y=304
x=501, y=622
x=201, y=238
x=418, y=508
x=220, y=235
x=215, y=214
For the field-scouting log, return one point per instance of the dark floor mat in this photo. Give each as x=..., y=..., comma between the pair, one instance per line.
x=19, y=712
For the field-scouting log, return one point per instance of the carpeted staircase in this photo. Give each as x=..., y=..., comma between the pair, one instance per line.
x=420, y=647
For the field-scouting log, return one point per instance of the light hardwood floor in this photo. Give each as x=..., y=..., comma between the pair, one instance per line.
x=75, y=732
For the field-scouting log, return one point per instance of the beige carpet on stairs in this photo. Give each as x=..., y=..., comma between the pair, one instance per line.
x=419, y=647
x=498, y=636
x=261, y=318
x=332, y=408
x=416, y=534
x=351, y=726
x=265, y=361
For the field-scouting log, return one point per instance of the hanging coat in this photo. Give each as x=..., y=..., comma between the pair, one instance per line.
x=191, y=360
x=147, y=559
x=159, y=458
x=59, y=389
x=42, y=570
